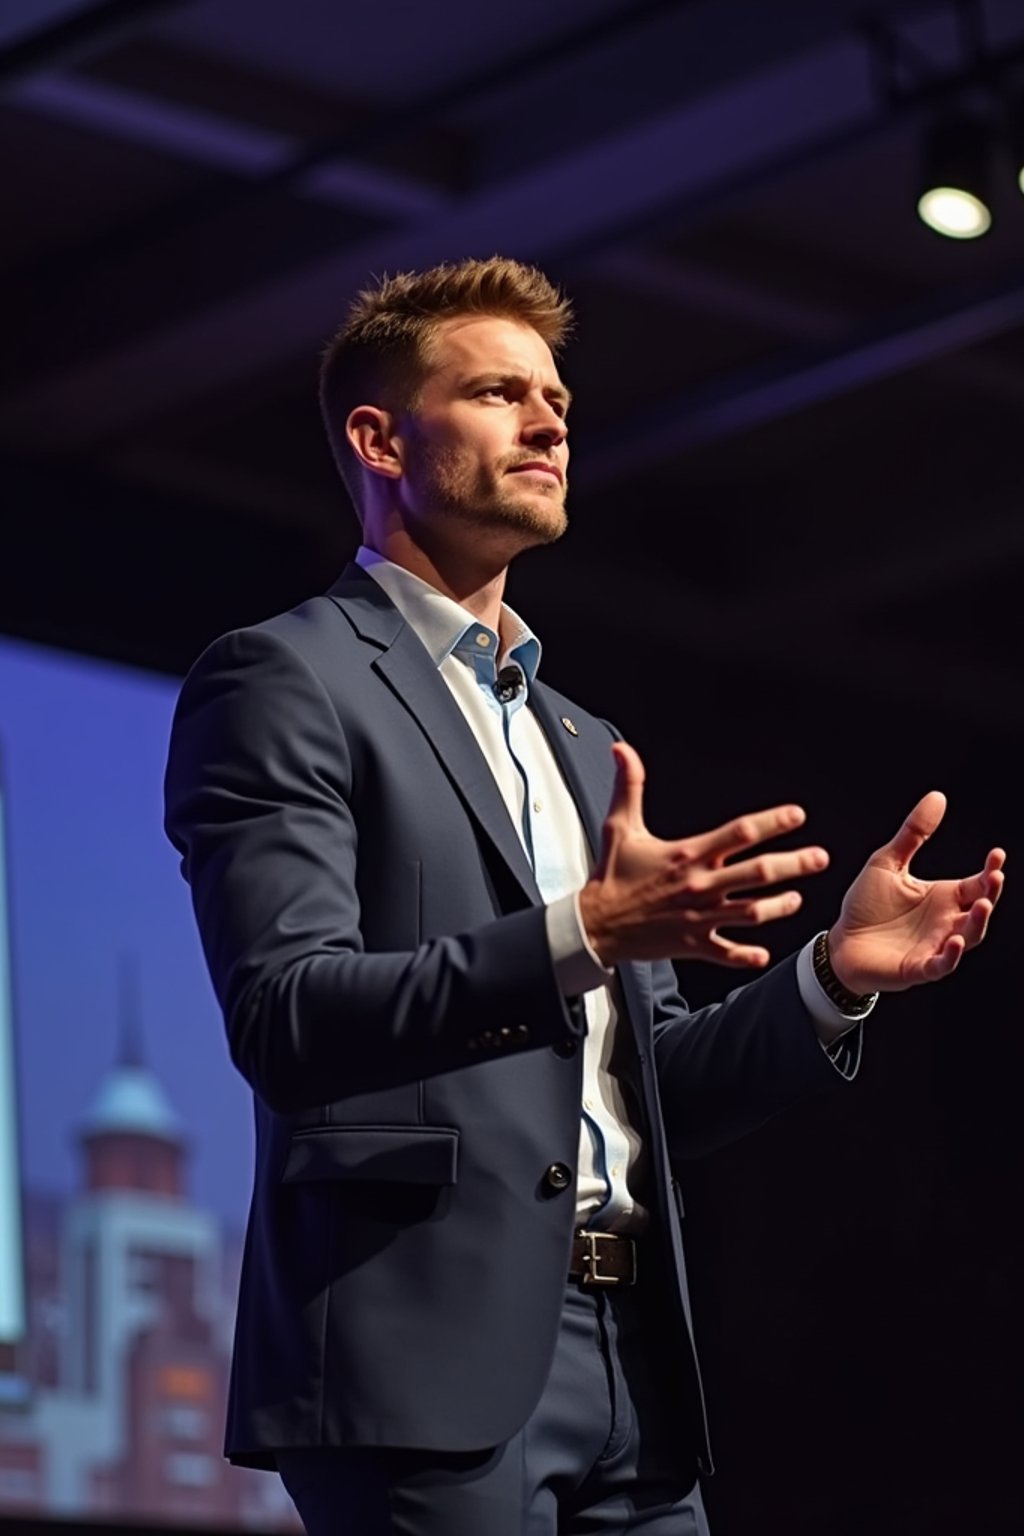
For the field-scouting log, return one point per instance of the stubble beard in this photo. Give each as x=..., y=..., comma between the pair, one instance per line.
x=492, y=503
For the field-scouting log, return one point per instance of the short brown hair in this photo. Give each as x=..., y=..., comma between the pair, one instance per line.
x=381, y=354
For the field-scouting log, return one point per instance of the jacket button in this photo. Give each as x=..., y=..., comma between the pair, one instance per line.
x=558, y=1176
x=566, y=1048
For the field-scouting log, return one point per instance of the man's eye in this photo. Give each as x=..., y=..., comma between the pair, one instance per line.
x=492, y=389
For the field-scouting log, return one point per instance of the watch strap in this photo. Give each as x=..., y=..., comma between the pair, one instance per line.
x=852, y=1005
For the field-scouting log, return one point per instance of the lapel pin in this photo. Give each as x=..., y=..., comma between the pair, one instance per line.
x=569, y=726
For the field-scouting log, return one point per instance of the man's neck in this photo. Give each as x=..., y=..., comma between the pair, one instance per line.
x=454, y=573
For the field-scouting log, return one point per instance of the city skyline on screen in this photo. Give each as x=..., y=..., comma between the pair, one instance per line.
x=93, y=883
x=119, y=1253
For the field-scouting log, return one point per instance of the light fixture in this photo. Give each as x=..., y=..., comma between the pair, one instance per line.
x=954, y=198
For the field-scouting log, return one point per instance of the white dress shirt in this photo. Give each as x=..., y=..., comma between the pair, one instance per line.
x=543, y=812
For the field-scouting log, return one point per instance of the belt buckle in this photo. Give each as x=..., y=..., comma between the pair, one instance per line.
x=592, y=1260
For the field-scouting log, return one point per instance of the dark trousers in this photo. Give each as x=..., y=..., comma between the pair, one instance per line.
x=600, y=1453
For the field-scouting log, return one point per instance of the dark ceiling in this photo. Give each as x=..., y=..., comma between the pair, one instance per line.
x=794, y=569
x=796, y=405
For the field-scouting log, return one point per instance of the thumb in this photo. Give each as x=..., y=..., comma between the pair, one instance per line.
x=627, y=802
x=918, y=828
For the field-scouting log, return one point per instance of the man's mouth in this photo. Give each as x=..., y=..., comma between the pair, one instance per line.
x=537, y=467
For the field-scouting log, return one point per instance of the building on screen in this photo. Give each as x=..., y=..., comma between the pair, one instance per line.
x=130, y=1314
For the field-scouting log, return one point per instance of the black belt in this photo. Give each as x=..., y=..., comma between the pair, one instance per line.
x=602, y=1258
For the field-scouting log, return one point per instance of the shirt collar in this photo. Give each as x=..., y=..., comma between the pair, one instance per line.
x=441, y=623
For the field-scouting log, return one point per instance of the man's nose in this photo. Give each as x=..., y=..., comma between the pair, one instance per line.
x=545, y=427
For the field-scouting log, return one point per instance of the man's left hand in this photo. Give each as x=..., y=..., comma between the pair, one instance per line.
x=895, y=931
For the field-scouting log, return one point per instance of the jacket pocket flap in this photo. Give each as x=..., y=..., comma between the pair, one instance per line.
x=407, y=1154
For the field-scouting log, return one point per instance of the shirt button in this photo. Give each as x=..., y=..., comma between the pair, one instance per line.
x=538, y=805
x=588, y=1103
x=558, y=1177
x=483, y=639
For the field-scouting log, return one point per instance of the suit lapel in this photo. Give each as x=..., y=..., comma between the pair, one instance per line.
x=576, y=760
x=405, y=666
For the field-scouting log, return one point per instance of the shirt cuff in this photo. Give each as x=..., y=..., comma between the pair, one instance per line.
x=829, y=1023
x=577, y=968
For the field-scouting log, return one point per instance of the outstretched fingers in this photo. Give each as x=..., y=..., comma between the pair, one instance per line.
x=628, y=795
x=970, y=929
x=923, y=820
x=766, y=869
x=987, y=882
x=946, y=961
x=746, y=832
x=751, y=914
x=975, y=924
x=747, y=957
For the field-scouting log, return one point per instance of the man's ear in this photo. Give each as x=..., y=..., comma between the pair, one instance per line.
x=373, y=436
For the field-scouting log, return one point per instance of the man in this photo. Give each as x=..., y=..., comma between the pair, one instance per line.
x=463, y=1308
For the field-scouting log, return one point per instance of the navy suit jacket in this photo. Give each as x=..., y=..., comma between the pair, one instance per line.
x=378, y=946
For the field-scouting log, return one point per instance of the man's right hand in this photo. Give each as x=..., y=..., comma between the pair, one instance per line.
x=649, y=899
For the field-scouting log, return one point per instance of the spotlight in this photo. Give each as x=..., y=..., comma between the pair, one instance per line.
x=954, y=198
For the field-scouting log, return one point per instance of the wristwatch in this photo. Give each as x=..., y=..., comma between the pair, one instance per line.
x=853, y=1005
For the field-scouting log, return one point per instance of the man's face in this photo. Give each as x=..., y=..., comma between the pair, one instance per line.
x=485, y=444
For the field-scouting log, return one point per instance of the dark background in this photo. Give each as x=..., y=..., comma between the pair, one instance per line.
x=794, y=569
